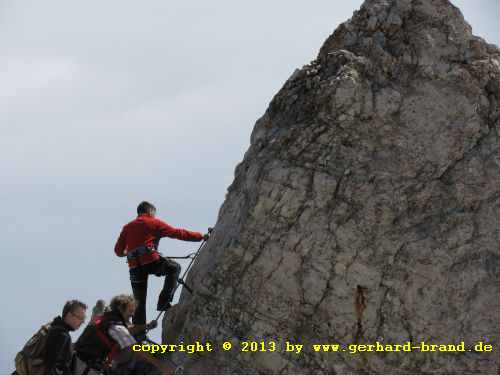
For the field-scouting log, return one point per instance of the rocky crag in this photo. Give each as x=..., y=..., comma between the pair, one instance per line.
x=367, y=208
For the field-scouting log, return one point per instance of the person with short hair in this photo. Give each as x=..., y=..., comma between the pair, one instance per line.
x=138, y=241
x=107, y=342
x=58, y=356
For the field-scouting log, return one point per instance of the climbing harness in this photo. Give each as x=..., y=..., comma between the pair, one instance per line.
x=134, y=256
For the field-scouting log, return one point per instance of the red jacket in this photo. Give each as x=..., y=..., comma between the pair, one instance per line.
x=145, y=231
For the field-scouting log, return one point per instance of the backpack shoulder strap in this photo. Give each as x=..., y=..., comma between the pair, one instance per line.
x=113, y=347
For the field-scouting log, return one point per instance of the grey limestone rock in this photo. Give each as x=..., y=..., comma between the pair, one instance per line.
x=367, y=208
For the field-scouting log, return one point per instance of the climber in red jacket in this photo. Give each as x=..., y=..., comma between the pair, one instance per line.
x=139, y=241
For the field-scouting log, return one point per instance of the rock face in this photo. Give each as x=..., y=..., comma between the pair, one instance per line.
x=366, y=208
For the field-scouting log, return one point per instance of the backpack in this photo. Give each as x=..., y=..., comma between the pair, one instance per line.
x=29, y=361
x=94, y=346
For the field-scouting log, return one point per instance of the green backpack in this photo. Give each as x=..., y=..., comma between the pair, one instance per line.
x=29, y=361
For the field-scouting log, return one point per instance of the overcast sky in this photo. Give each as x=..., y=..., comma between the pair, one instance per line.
x=106, y=103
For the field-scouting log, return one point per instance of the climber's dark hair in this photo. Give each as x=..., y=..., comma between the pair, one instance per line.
x=120, y=302
x=72, y=306
x=145, y=208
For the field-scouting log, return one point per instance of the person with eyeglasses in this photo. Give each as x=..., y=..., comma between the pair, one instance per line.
x=58, y=357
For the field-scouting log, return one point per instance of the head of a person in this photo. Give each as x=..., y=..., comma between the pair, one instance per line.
x=74, y=313
x=100, y=304
x=146, y=208
x=124, y=304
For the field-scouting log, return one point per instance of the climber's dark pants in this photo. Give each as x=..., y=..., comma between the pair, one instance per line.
x=139, y=280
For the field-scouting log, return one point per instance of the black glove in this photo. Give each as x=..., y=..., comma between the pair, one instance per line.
x=151, y=325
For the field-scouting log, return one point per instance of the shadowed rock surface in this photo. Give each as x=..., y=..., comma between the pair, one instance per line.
x=366, y=208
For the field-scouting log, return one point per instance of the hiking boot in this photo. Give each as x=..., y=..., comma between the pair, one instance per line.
x=163, y=306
